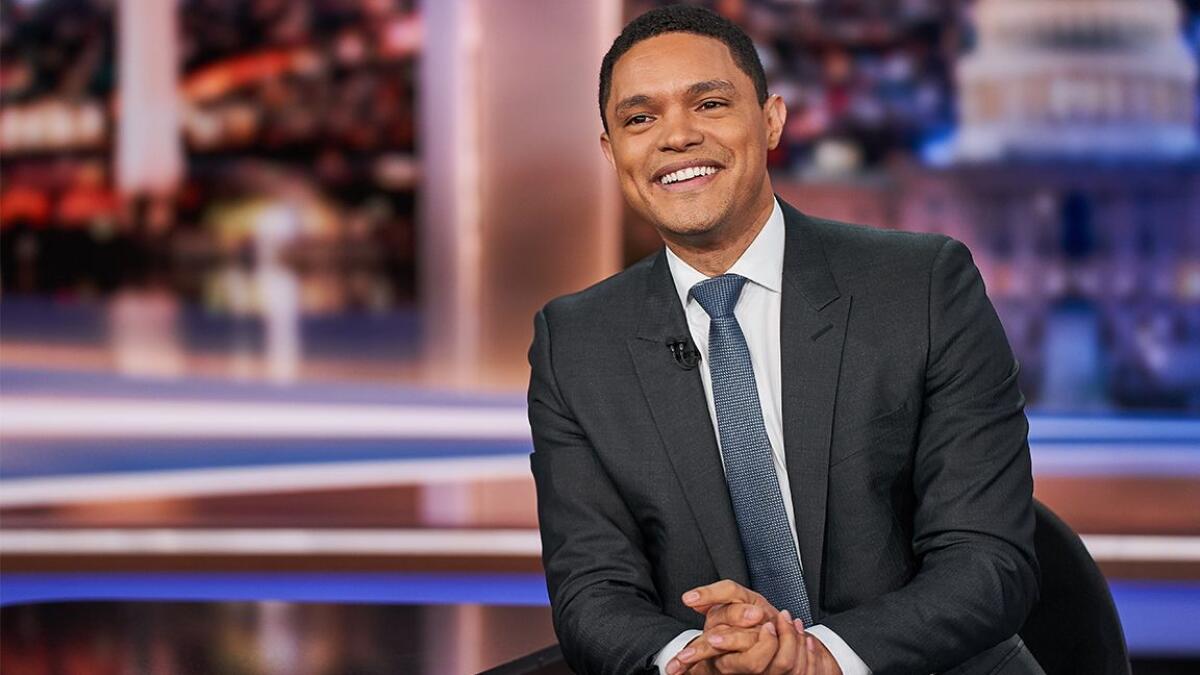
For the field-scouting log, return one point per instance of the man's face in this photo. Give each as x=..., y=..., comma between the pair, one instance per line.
x=687, y=136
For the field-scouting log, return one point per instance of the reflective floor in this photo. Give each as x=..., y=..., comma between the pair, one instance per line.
x=265, y=638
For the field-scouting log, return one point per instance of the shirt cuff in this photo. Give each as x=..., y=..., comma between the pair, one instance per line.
x=674, y=647
x=846, y=659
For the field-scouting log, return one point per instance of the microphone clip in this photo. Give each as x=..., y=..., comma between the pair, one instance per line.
x=684, y=351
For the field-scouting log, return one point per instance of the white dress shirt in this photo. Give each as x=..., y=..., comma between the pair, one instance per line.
x=757, y=312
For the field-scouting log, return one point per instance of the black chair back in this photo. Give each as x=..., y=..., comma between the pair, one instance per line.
x=1074, y=627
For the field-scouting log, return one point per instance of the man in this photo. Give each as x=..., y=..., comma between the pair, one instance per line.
x=835, y=477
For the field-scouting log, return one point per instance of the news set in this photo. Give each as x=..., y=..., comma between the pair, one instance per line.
x=268, y=272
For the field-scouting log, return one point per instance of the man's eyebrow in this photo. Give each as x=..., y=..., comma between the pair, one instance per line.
x=707, y=86
x=630, y=102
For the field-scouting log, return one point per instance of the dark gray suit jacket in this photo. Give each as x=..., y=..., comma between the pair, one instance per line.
x=906, y=450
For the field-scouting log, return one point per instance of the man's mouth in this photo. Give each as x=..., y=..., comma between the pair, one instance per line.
x=687, y=174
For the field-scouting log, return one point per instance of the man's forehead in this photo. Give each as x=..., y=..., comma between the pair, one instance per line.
x=673, y=62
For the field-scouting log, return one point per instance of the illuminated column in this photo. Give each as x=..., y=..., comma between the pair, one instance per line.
x=518, y=204
x=149, y=152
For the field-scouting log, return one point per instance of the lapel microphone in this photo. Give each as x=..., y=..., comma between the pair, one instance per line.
x=684, y=351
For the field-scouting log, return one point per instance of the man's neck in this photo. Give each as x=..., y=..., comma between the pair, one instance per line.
x=715, y=257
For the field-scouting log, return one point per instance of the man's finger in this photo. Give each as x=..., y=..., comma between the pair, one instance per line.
x=721, y=592
x=785, y=660
x=716, y=642
x=738, y=614
x=754, y=659
x=724, y=592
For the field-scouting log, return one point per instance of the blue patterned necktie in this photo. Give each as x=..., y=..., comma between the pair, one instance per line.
x=749, y=471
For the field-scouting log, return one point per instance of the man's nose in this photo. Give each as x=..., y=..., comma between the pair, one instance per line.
x=679, y=132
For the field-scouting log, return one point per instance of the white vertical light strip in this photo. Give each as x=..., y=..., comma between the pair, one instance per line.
x=450, y=238
x=468, y=193
x=609, y=20
x=469, y=631
x=278, y=638
x=149, y=154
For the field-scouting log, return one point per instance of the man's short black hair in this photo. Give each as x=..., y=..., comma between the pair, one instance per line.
x=683, y=19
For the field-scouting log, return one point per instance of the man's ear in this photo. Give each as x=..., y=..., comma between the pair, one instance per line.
x=606, y=148
x=775, y=115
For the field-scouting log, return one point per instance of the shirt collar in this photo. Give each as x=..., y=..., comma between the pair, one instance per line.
x=761, y=263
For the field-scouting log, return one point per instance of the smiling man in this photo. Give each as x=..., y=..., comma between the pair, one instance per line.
x=781, y=444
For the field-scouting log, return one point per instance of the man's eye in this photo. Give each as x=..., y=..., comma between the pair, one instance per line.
x=711, y=105
x=637, y=119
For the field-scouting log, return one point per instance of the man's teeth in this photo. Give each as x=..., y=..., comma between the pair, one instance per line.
x=687, y=174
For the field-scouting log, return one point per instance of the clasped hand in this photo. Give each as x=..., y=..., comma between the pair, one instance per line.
x=743, y=633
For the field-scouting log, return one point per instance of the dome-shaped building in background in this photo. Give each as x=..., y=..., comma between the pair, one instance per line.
x=1075, y=181
x=1077, y=78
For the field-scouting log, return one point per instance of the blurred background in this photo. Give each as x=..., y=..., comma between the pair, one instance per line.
x=268, y=270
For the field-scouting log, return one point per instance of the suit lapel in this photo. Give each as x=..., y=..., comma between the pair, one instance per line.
x=680, y=409
x=812, y=331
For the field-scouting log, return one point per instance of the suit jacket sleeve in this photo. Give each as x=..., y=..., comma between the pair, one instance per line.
x=973, y=520
x=607, y=613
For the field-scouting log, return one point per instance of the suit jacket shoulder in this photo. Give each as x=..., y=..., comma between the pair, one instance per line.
x=607, y=305
x=863, y=258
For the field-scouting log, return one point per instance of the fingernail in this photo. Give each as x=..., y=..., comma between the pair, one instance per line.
x=687, y=653
x=752, y=613
x=674, y=667
x=787, y=616
x=799, y=625
x=771, y=629
x=691, y=596
x=808, y=644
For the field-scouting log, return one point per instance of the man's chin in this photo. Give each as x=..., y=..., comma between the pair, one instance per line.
x=687, y=230
x=691, y=222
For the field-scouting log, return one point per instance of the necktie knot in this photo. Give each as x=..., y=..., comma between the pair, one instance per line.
x=719, y=295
